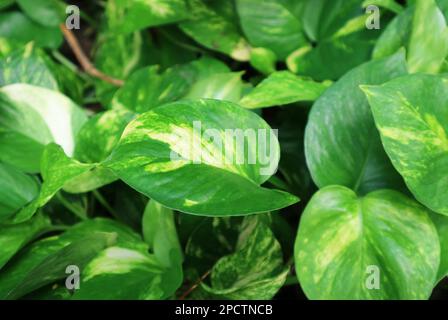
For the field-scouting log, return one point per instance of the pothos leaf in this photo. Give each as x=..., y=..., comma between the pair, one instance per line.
x=17, y=189
x=215, y=30
x=342, y=145
x=280, y=88
x=175, y=153
x=159, y=231
x=56, y=169
x=411, y=117
x=18, y=27
x=271, y=25
x=380, y=246
x=54, y=267
x=14, y=237
x=255, y=270
x=141, y=14
x=27, y=66
x=428, y=46
x=30, y=118
x=15, y=275
x=45, y=12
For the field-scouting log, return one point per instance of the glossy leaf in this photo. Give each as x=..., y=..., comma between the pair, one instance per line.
x=254, y=271
x=215, y=30
x=380, y=246
x=441, y=223
x=220, y=86
x=17, y=26
x=45, y=12
x=54, y=267
x=26, y=66
x=139, y=14
x=165, y=155
x=14, y=237
x=17, y=189
x=411, y=118
x=280, y=88
x=342, y=145
x=36, y=255
x=428, y=45
x=271, y=25
x=30, y=118
x=263, y=60
x=159, y=232
x=147, y=89
x=56, y=169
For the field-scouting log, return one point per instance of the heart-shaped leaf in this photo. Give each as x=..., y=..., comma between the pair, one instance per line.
x=30, y=118
x=342, y=145
x=176, y=153
x=410, y=114
x=380, y=246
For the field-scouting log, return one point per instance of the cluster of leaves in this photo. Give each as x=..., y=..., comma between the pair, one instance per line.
x=87, y=176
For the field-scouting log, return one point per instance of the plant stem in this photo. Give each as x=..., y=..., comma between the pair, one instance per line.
x=70, y=207
x=195, y=285
x=83, y=60
x=104, y=203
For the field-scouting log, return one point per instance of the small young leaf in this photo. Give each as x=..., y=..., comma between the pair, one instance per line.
x=280, y=88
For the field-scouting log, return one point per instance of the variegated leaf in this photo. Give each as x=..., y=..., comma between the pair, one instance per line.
x=380, y=246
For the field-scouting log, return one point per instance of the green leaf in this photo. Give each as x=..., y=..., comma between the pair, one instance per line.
x=380, y=246
x=122, y=273
x=17, y=189
x=215, y=30
x=53, y=268
x=322, y=18
x=221, y=86
x=159, y=232
x=30, y=118
x=255, y=270
x=14, y=237
x=263, y=60
x=146, y=88
x=171, y=154
x=56, y=169
x=271, y=25
x=16, y=26
x=100, y=134
x=94, y=143
x=18, y=269
x=411, y=118
x=319, y=63
x=422, y=29
x=117, y=56
x=211, y=239
x=29, y=66
x=428, y=45
x=342, y=145
x=441, y=223
x=48, y=13
x=280, y=88
x=396, y=34
x=125, y=16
